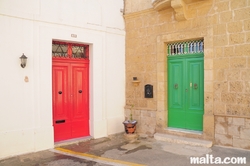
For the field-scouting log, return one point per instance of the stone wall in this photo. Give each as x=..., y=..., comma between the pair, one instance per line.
x=225, y=27
x=231, y=70
x=136, y=5
x=232, y=131
x=231, y=61
x=146, y=120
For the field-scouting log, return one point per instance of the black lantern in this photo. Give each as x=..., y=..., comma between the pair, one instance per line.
x=23, y=60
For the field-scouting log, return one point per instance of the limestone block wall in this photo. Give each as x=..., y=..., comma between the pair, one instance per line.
x=231, y=59
x=146, y=120
x=225, y=27
x=136, y=5
x=232, y=131
x=231, y=70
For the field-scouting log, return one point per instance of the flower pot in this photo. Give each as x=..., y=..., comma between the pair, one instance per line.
x=130, y=126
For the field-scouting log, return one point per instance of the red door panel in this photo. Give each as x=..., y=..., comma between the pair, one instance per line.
x=70, y=99
x=61, y=103
x=80, y=111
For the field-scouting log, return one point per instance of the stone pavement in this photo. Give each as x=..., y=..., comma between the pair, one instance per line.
x=118, y=150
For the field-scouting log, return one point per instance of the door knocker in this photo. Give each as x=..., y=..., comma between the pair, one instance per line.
x=195, y=86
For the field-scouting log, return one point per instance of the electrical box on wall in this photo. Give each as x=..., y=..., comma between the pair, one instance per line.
x=148, y=89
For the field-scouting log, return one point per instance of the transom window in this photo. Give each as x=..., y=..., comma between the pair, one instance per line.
x=69, y=50
x=186, y=47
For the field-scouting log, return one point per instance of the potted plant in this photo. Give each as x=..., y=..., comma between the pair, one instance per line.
x=130, y=125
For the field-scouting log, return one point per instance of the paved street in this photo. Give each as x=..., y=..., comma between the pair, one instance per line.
x=118, y=150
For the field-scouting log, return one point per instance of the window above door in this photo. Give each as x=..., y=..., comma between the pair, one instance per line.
x=69, y=50
x=186, y=47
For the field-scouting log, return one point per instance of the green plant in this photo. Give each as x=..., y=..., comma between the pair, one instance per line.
x=131, y=115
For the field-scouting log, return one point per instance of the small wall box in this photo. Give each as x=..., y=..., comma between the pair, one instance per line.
x=135, y=81
x=148, y=89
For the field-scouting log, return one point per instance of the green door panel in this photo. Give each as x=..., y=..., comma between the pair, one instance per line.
x=186, y=92
x=195, y=99
x=177, y=99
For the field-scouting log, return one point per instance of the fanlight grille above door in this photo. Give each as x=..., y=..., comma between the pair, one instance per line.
x=69, y=50
x=186, y=47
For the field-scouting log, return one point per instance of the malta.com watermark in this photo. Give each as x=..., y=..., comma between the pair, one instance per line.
x=210, y=159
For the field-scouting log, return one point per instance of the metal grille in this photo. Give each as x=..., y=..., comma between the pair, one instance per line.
x=78, y=52
x=59, y=50
x=187, y=47
x=69, y=50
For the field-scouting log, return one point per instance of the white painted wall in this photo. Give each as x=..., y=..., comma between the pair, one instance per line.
x=28, y=27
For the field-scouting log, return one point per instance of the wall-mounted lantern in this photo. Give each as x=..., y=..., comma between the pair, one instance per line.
x=23, y=60
x=135, y=81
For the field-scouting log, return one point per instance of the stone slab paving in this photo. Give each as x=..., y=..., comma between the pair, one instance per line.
x=119, y=150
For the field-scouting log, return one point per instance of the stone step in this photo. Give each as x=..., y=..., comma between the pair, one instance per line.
x=182, y=140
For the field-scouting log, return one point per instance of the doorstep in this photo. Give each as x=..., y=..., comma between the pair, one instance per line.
x=182, y=140
x=72, y=141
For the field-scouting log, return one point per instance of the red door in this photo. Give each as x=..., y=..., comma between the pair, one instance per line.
x=70, y=97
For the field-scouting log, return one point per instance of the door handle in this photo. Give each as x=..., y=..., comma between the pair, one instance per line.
x=80, y=91
x=195, y=86
x=176, y=86
x=60, y=92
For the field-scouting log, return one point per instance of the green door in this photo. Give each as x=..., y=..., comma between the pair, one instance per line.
x=186, y=92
